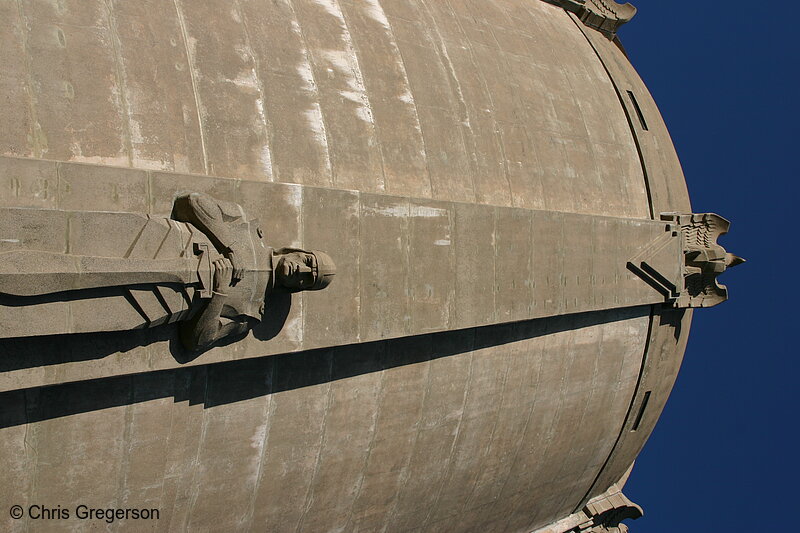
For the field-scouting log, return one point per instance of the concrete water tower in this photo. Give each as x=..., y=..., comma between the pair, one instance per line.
x=508, y=255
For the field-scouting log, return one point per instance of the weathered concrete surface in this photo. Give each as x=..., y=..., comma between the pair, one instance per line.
x=503, y=103
x=440, y=431
x=665, y=184
x=407, y=267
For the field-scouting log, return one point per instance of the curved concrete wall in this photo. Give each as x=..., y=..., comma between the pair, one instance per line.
x=511, y=103
x=470, y=430
x=498, y=102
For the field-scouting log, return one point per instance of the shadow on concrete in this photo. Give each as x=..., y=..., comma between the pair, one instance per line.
x=224, y=383
x=29, y=352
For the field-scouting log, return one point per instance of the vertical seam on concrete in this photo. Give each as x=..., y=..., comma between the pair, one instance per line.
x=168, y=441
x=522, y=125
x=301, y=230
x=589, y=143
x=119, y=68
x=149, y=192
x=533, y=268
x=365, y=97
x=358, y=275
x=530, y=281
x=571, y=453
x=628, y=117
x=440, y=57
x=33, y=458
x=441, y=49
x=454, y=318
x=309, y=498
x=498, y=137
x=273, y=406
x=378, y=403
x=177, y=480
x=56, y=166
x=405, y=474
x=126, y=445
x=261, y=102
x=553, y=131
x=647, y=342
x=193, y=78
x=248, y=519
x=467, y=389
x=67, y=231
x=402, y=64
x=618, y=377
x=482, y=460
x=419, y=125
x=195, y=487
x=309, y=57
x=360, y=251
x=562, y=261
x=494, y=264
x=408, y=223
x=34, y=127
x=527, y=423
x=451, y=257
x=557, y=414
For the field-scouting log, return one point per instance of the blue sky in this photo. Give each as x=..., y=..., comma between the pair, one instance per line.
x=725, y=76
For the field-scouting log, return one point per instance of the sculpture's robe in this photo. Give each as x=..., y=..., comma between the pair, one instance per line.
x=76, y=272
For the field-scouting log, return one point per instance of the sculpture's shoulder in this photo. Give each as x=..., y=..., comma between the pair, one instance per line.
x=191, y=206
x=246, y=298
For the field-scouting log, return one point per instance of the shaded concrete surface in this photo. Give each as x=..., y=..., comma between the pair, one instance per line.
x=498, y=110
x=436, y=430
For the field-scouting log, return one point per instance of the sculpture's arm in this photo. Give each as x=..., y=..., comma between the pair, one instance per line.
x=209, y=216
x=208, y=326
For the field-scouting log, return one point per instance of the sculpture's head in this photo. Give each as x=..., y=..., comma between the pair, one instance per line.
x=300, y=270
x=732, y=260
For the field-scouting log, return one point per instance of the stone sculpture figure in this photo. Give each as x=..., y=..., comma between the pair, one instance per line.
x=683, y=263
x=704, y=259
x=206, y=267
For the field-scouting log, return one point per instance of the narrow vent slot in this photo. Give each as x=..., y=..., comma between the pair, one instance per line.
x=641, y=411
x=638, y=110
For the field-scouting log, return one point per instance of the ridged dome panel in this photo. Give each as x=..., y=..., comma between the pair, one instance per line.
x=499, y=102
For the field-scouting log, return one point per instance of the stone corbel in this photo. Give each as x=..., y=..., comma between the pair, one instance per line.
x=606, y=513
x=704, y=258
x=684, y=263
x=604, y=15
x=602, y=514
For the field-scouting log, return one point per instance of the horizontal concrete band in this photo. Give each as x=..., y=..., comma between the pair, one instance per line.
x=424, y=267
x=406, y=266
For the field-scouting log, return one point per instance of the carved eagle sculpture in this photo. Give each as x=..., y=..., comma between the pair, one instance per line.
x=704, y=258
